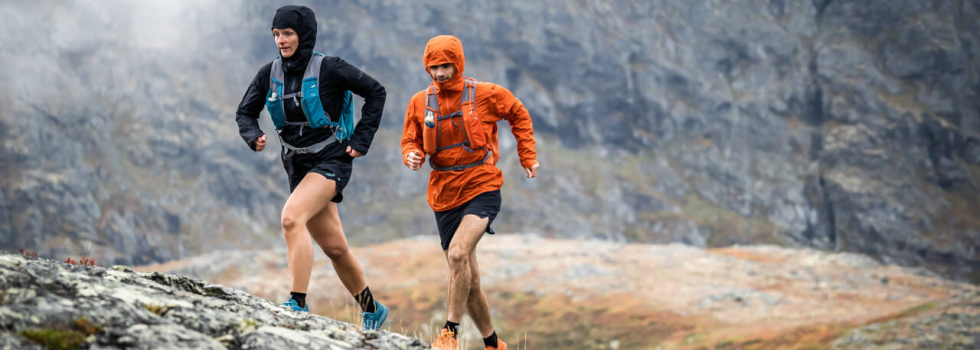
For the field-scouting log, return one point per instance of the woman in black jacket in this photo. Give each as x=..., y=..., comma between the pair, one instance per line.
x=318, y=151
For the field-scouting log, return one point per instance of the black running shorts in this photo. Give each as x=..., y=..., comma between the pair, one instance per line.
x=484, y=205
x=332, y=162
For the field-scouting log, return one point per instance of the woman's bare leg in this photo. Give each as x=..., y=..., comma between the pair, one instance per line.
x=309, y=198
x=328, y=233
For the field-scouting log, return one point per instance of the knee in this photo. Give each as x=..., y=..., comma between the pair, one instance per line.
x=290, y=220
x=458, y=256
x=335, y=252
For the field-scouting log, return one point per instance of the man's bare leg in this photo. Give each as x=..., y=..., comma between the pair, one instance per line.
x=476, y=302
x=461, y=252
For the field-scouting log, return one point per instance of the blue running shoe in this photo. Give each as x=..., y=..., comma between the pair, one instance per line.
x=292, y=304
x=374, y=320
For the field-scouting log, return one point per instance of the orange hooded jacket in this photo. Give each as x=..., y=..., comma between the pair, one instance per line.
x=450, y=189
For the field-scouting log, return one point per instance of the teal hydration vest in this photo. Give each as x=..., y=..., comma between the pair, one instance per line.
x=309, y=97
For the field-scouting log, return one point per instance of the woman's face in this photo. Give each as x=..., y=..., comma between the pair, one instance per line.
x=286, y=40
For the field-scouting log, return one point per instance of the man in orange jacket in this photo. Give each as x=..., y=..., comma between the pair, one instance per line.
x=453, y=121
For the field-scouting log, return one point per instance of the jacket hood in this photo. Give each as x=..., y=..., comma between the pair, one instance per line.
x=303, y=21
x=446, y=49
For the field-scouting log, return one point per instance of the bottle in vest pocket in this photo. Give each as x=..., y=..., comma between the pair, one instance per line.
x=474, y=128
x=429, y=133
x=430, y=119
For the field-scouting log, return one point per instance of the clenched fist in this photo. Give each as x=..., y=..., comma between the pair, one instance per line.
x=260, y=143
x=414, y=160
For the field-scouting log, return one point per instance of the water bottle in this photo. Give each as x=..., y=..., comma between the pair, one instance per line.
x=430, y=119
x=429, y=137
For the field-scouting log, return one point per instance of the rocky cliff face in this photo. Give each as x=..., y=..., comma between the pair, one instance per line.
x=62, y=306
x=847, y=125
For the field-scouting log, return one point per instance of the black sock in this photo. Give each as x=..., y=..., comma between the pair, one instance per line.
x=366, y=301
x=452, y=327
x=491, y=340
x=299, y=297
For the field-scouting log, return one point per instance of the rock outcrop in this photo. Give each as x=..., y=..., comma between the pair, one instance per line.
x=45, y=303
x=952, y=324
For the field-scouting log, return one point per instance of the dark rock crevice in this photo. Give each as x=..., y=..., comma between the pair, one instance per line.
x=813, y=101
x=828, y=208
x=821, y=6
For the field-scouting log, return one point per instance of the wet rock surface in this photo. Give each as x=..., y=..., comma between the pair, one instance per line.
x=44, y=302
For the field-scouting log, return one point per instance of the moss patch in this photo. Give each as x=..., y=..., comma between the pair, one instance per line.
x=55, y=338
x=159, y=310
x=87, y=327
x=727, y=227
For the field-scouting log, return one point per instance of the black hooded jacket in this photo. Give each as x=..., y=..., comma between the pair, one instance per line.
x=336, y=77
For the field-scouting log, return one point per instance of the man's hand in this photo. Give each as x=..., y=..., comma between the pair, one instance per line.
x=353, y=153
x=260, y=143
x=414, y=160
x=532, y=171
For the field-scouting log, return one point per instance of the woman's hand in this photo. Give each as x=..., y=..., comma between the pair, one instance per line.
x=353, y=153
x=260, y=143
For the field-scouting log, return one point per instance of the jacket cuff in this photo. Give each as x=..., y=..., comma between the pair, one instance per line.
x=358, y=146
x=251, y=143
x=528, y=163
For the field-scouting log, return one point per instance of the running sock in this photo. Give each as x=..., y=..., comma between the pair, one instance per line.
x=366, y=301
x=491, y=340
x=452, y=327
x=299, y=297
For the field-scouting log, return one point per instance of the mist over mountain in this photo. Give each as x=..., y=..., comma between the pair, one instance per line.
x=845, y=125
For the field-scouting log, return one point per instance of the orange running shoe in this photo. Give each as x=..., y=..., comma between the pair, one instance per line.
x=446, y=341
x=500, y=346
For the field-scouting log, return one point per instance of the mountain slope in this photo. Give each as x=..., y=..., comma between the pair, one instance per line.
x=579, y=294
x=845, y=125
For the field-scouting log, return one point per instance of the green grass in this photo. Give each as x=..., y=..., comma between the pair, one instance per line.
x=918, y=309
x=694, y=338
x=724, y=344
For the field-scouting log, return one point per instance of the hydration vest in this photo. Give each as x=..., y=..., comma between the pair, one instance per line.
x=312, y=107
x=474, y=136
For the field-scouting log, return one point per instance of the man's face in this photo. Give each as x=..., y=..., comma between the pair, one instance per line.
x=286, y=40
x=443, y=72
